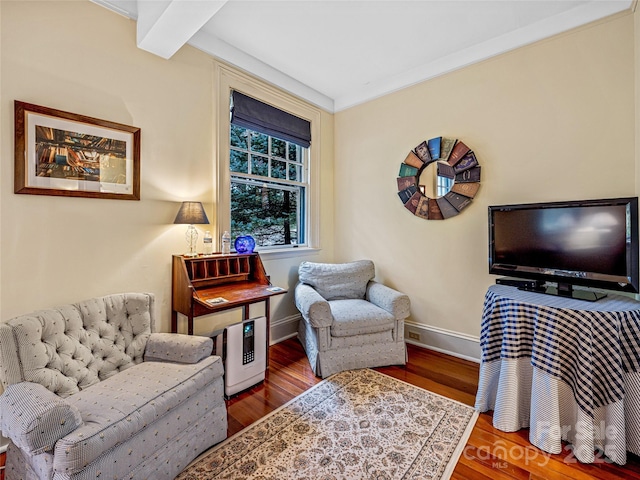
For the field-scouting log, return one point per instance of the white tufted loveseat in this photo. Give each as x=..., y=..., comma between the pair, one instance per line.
x=93, y=392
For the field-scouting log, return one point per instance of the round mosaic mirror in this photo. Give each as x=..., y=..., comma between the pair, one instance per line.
x=438, y=178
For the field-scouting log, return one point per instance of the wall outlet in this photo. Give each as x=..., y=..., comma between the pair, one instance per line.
x=414, y=336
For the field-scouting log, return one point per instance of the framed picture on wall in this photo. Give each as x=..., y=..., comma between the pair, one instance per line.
x=66, y=154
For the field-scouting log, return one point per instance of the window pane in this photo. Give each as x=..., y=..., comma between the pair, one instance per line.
x=294, y=172
x=278, y=169
x=278, y=148
x=238, y=137
x=294, y=152
x=266, y=212
x=259, y=143
x=259, y=165
x=239, y=162
x=444, y=184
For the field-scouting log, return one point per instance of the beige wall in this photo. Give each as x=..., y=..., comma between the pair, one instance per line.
x=79, y=57
x=555, y=120
x=551, y=121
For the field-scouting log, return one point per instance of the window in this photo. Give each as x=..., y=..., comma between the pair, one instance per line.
x=267, y=178
x=444, y=184
x=269, y=182
x=268, y=159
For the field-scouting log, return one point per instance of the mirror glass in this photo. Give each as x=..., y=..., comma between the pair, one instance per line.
x=436, y=179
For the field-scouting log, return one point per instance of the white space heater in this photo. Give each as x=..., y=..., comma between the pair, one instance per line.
x=243, y=346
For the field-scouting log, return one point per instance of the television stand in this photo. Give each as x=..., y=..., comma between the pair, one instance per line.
x=567, y=369
x=567, y=290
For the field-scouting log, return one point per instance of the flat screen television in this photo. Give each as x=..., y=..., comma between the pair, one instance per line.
x=591, y=243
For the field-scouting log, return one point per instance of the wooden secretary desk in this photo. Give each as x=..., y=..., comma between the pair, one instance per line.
x=208, y=284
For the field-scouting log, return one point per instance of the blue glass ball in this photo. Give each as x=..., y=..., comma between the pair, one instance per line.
x=245, y=244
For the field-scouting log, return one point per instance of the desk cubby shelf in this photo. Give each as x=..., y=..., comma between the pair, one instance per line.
x=214, y=270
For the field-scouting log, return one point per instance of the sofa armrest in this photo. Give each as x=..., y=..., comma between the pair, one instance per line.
x=35, y=418
x=178, y=348
x=394, y=302
x=312, y=306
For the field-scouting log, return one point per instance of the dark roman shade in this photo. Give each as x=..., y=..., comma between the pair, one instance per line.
x=250, y=113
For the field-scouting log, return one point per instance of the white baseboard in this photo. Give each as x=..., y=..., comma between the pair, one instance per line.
x=441, y=340
x=284, y=328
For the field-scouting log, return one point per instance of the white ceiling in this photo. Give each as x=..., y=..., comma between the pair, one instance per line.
x=339, y=53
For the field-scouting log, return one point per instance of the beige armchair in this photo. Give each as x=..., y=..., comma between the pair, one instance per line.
x=349, y=321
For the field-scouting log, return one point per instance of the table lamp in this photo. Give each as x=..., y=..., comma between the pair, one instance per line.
x=191, y=213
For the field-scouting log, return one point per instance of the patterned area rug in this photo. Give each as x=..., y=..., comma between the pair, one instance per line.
x=359, y=424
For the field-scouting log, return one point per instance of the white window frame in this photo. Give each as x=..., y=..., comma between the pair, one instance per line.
x=227, y=80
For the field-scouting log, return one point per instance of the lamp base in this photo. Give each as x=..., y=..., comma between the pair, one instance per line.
x=191, y=236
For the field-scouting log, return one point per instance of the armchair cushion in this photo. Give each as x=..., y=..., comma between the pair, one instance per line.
x=338, y=281
x=173, y=347
x=359, y=317
x=35, y=418
x=394, y=302
x=312, y=306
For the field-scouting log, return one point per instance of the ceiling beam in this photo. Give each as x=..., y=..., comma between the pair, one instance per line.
x=165, y=26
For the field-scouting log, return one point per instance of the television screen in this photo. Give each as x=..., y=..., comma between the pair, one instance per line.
x=593, y=243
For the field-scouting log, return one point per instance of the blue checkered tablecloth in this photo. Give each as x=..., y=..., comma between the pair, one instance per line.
x=587, y=345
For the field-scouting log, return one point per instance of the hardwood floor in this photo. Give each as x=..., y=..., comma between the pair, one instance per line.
x=489, y=454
